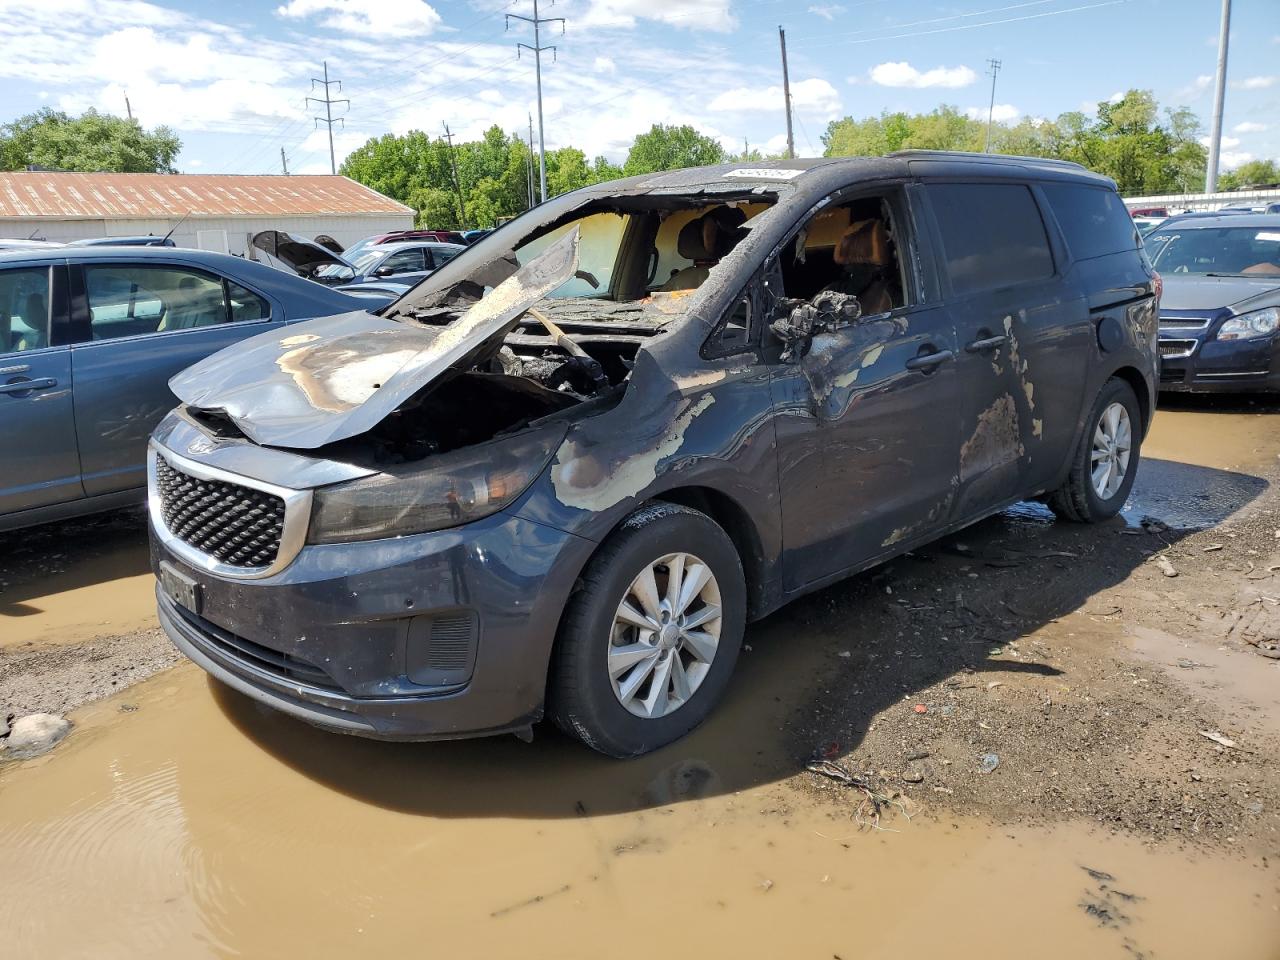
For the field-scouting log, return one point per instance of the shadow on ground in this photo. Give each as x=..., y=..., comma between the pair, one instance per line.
x=864, y=645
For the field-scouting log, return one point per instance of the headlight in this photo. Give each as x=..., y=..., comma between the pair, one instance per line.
x=1248, y=326
x=442, y=491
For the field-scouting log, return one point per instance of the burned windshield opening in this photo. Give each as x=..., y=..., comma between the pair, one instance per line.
x=652, y=251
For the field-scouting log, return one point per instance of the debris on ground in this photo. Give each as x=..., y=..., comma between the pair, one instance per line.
x=990, y=761
x=878, y=800
x=1217, y=738
x=1166, y=566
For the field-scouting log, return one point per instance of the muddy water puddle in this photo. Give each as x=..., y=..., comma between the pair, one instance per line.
x=72, y=581
x=182, y=821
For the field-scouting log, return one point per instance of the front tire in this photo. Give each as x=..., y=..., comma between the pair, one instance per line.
x=1105, y=462
x=649, y=642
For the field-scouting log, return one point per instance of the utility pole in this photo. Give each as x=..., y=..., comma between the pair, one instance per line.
x=457, y=184
x=537, y=49
x=128, y=108
x=993, y=68
x=1219, y=95
x=786, y=94
x=284, y=163
x=328, y=119
x=533, y=200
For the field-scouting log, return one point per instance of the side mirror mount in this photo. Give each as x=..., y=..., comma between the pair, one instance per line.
x=797, y=321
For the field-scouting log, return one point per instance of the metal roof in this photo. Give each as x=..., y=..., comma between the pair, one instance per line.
x=72, y=196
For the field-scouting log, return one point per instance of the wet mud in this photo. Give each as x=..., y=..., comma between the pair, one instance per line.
x=180, y=819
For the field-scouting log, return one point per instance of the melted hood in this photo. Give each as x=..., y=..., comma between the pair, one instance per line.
x=325, y=380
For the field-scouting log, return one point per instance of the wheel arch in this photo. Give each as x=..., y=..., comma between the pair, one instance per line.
x=1141, y=389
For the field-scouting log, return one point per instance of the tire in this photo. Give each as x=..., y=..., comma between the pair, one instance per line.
x=583, y=699
x=1079, y=499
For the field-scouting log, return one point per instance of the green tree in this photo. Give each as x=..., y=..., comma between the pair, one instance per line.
x=671, y=148
x=1251, y=174
x=89, y=143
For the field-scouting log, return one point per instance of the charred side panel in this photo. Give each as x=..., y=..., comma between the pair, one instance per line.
x=705, y=424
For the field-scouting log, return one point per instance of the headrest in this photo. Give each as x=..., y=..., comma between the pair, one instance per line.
x=864, y=243
x=187, y=283
x=35, y=312
x=711, y=235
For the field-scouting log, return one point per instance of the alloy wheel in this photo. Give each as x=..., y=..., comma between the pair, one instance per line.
x=665, y=635
x=1112, y=444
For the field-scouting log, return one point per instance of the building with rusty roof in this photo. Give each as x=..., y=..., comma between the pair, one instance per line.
x=221, y=211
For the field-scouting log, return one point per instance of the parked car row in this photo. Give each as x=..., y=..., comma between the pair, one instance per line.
x=556, y=472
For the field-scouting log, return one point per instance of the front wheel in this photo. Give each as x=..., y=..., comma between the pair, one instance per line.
x=1106, y=461
x=649, y=642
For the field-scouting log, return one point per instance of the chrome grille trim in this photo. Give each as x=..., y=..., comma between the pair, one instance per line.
x=1184, y=323
x=297, y=515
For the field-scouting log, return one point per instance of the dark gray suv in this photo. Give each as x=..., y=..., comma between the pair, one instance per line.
x=560, y=476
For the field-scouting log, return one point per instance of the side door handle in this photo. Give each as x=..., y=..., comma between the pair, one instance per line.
x=986, y=343
x=930, y=361
x=27, y=386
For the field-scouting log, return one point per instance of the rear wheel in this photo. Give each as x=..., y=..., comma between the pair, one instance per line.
x=1106, y=460
x=649, y=642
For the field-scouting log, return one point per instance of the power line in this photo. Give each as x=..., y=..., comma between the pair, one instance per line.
x=993, y=68
x=537, y=49
x=328, y=119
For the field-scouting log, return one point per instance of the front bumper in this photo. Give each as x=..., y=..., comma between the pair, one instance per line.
x=1194, y=360
x=350, y=636
x=1238, y=366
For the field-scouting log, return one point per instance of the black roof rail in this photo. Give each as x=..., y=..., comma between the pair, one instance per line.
x=967, y=155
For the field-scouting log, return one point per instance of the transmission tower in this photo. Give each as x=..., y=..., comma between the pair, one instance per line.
x=328, y=119
x=537, y=49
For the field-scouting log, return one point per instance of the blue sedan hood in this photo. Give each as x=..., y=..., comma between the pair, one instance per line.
x=1184, y=292
x=325, y=380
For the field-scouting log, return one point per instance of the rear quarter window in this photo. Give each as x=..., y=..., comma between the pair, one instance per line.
x=992, y=235
x=1093, y=220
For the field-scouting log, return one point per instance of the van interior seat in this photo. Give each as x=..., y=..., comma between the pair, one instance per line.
x=705, y=241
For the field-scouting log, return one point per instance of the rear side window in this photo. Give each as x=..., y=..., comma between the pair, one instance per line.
x=992, y=235
x=1094, y=221
x=24, y=309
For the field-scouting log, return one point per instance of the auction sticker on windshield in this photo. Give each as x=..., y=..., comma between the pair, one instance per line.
x=762, y=173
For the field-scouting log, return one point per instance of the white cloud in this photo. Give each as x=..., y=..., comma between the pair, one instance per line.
x=605, y=65
x=1227, y=142
x=393, y=18
x=1116, y=97
x=686, y=14
x=813, y=95
x=1001, y=113
x=775, y=144
x=903, y=74
x=1229, y=159
x=1249, y=126
x=827, y=12
x=1258, y=83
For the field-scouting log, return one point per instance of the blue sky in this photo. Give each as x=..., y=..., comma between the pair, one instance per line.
x=231, y=75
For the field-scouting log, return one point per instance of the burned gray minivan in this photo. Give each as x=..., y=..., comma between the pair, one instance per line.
x=561, y=475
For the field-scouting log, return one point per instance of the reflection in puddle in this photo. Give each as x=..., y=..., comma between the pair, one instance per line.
x=169, y=832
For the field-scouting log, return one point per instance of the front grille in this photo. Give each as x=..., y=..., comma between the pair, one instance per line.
x=283, y=665
x=238, y=525
x=1173, y=349
x=1183, y=323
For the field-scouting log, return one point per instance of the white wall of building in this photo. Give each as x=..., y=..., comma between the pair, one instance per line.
x=209, y=233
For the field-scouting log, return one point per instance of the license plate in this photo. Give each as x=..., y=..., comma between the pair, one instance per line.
x=181, y=589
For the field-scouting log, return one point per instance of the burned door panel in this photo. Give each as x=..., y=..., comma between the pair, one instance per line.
x=867, y=439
